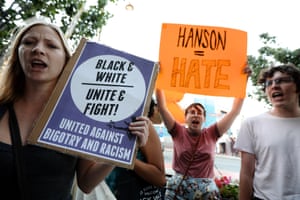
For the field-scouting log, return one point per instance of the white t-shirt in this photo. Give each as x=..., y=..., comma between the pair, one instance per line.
x=275, y=142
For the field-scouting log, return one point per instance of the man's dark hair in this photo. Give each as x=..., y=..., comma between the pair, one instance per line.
x=195, y=105
x=289, y=69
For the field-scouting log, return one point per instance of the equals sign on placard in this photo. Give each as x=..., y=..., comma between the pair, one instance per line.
x=199, y=53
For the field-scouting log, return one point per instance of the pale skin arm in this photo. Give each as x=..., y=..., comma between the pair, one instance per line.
x=166, y=115
x=153, y=171
x=225, y=123
x=246, y=175
x=90, y=173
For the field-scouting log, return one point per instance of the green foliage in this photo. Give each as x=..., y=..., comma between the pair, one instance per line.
x=269, y=54
x=230, y=192
x=62, y=12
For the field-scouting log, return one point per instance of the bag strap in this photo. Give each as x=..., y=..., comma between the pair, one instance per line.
x=17, y=151
x=190, y=163
x=192, y=159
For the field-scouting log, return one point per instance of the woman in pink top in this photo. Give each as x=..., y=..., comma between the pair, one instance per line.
x=194, y=150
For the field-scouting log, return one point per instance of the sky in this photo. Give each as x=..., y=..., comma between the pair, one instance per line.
x=138, y=31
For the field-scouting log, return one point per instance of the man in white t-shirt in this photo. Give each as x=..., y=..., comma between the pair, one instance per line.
x=270, y=142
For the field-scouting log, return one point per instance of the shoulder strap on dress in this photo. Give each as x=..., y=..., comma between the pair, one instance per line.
x=3, y=109
x=18, y=153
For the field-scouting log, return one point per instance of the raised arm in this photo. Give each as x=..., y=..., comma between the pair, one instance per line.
x=225, y=123
x=166, y=115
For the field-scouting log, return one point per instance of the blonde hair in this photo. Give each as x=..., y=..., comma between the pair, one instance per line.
x=12, y=77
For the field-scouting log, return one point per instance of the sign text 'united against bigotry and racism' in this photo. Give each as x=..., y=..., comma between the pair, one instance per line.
x=99, y=93
x=93, y=139
x=203, y=60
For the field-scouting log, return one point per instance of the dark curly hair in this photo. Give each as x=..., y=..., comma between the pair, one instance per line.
x=289, y=69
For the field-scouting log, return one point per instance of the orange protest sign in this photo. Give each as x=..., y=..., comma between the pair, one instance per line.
x=202, y=60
